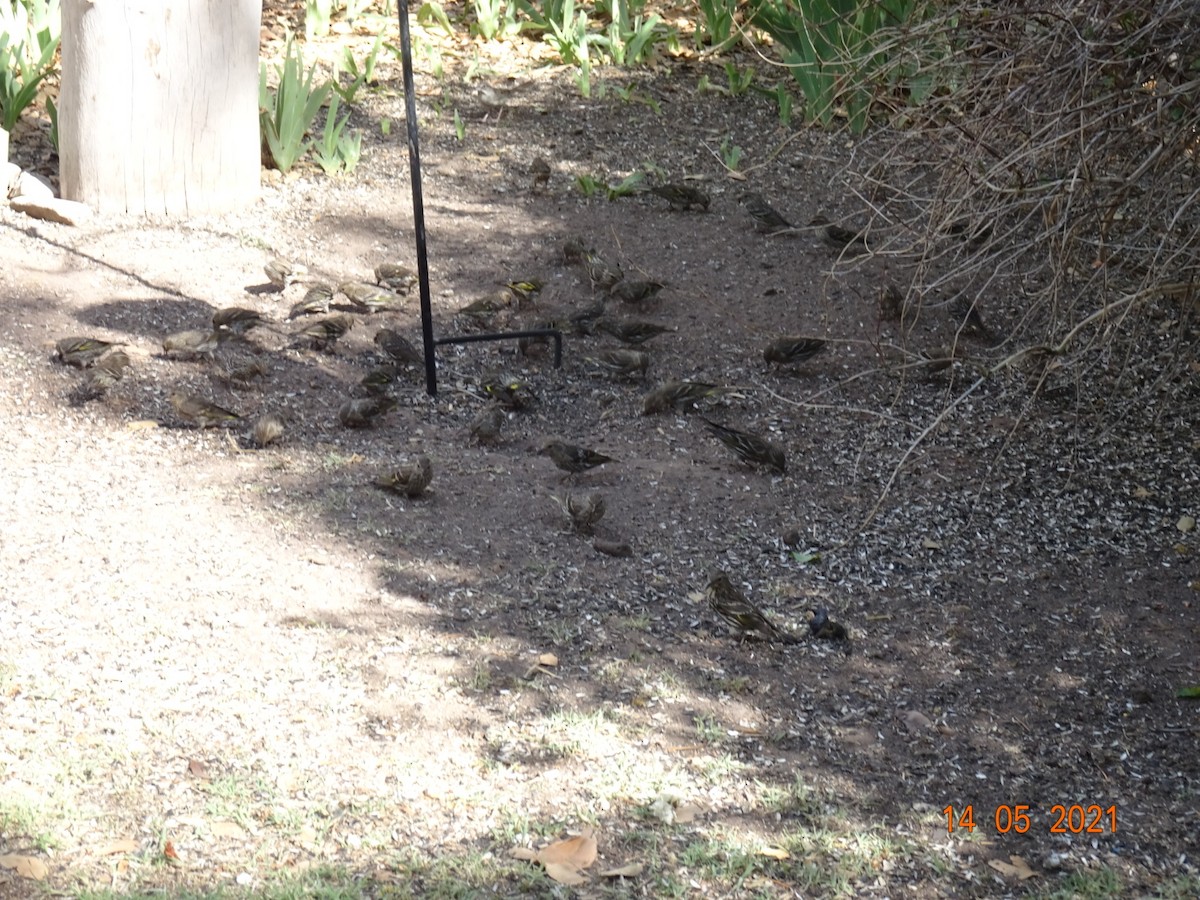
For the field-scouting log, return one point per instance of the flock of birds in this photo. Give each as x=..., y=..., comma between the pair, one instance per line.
x=105, y=363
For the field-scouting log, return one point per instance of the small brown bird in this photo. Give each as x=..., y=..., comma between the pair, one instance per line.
x=823, y=628
x=486, y=307
x=571, y=459
x=410, y=479
x=939, y=359
x=674, y=394
x=539, y=171
x=323, y=333
x=316, y=300
x=398, y=347
x=970, y=321
x=508, y=391
x=193, y=343
x=361, y=412
x=379, y=380
x=839, y=238
x=267, y=429
x=114, y=364
x=81, y=352
x=103, y=375
x=395, y=277
x=750, y=447
x=242, y=374
x=573, y=251
x=582, y=512
x=635, y=291
x=629, y=331
x=200, y=412
x=681, y=196
x=733, y=606
x=280, y=272
x=766, y=218
x=793, y=349
x=621, y=362
x=237, y=319
x=485, y=427
x=891, y=303
x=600, y=272
x=370, y=298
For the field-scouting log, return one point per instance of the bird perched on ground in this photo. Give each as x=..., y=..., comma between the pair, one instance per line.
x=750, y=447
x=379, y=380
x=629, y=331
x=622, y=362
x=733, y=606
x=486, y=307
x=395, y=277
x=361, y=412
x=280, y=272
x=398, y=347
x=891, y=303
x=508, y=391
x=193, y=343
x=676, y=393
x=243, y=373
x=200, y=412
x=788, y=351
x=370, y=298
x=823, y=628
x=410, y=479
x=939, y=359
x=102, y=375
x=571, y=459
x=765, y=217
x=267, y=429
x=681, y=196
x=525, y=289
x=600, y=272
x=968, y=318
x=485, y=427
x=635, y=291
x=115, y=364
x=323, y=333
x=539, y=171
x=237, y=319
x=81, y=352
x=582, y=512
x=839, y=238
x=316, y=300
x=573, y=251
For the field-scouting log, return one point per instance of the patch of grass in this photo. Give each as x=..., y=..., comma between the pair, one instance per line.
x=29, y=822
x=709, y=730
x=793, y=801
x=1097, y=885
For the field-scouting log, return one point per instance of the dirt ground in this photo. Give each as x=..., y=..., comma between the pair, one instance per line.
x=266, y=663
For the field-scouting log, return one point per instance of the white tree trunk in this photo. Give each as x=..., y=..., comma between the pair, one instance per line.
x=158, y=110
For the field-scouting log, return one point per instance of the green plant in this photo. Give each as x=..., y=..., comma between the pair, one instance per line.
x=460, y=128
x=494, y=19
x=429, y=14
x=716, y=24
x=358, y=76
x=338, y=150
x=287, y=113
x=630, y=37
x=317, y=14
x=588, y=185
x=28, y=42
x=52, y=112
x=739, y=80
x=731, y=155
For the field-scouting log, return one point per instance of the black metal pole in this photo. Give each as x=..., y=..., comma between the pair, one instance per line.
x=414, y=165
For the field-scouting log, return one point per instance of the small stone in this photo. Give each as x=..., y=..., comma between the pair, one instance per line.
x=65, y=212
x=613, y=548
x=791, y=537
x=35, y=187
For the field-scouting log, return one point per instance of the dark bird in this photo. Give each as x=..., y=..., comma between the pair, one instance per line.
x=508, y=391
x=81, y=352
x=316, y=300
x=852, y=242
x=750, y=447
x=486, y=307
x=746, y=618
x=629, y=331
x=891, y=303
x=572, y=459
x=793, y=349
x=103, y=375
x=193, y=343
x=573, y=251
x=237, y=319
x=243, y=373
x=622, y=362
x=765, y=217
x=676, y=393
x=582, y=512
x=681, y=196
x=200, y=412
x=823, y=628
x=410, y=479
x=583, y=320
x=370, y=298
x=635, y=291
x=398, y=347
x=539, y=171
x=379, y=380
x=395, y=277
x=970, y=320
x=361, y=412
x=485, y=427
x=323, y=333
x=600, y=272
x=267, y=429
x=939, y=359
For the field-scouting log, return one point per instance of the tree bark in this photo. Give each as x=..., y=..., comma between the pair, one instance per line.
x=158, y=109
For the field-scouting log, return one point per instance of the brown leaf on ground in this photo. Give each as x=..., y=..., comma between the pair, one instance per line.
x=122, y=846
x=1017, y=869
x=629, y=870
x=579, y=851
x=25, y=866
x=565, y=873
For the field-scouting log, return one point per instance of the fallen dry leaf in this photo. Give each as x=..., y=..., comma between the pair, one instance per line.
x=626, y=871
x=579, y=852
x=142, y=425
x=1018, y=869
x=197, y=768
x=229, y=830
x=547, y=659
x=565, y=873
x=25, y=866
x=774, y=852
x=687, y=812
x=525, y=853
x=169, y=850
x=125, y=846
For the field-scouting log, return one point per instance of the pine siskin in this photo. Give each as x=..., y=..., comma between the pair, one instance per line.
x=316, y=300
x=280, y=272
x=539, y=170
x=379, y=380
x=891, y=303
x=395, y=277
x=525, y=290
x=674, y=393
x=369, y=297
x=583, y=321
x=360, y=413
x=114, y=364
x=485, y=427
x=398, y=347
x=970, y=320
x=191, y=344
x=939, y=359
x=243, y=374
x=323, y=333
x=267, y=429
x=95, y=384
x=200, y=412
x=81, y=352
x=573, y=251
x=600, y=271
x=764, y=215
x=572, y=459
x=823, y=628
x=486, y=307
x=631, y=332
x=507, y=390
x=582, y=512
x=750, y=447
x=788, y=351
x=681, y=196
x=635, y=291
x=850, y=242
x=237, y=319
x=733, y=606
x=624, y=363
x=410, y=479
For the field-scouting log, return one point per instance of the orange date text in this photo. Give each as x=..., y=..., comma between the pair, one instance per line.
x=1018, y=818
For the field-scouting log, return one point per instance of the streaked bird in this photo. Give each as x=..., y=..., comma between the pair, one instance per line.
x=793, y=349
x=316, y=300
x=508, y=390
x=734, y=607
x=410, y=479
x=81, y=352
x=539, y=171
x=635, y=291
x=280, y=272
x=749, y=447
x=629, y=331
x=268, y=429
x=115, y=363
x=237, y=319
x=600, y=272
x=485, y=427
x=361, y=412
x=379, y=380
x=851, y=242
x=583, y=320
x=969, y=319
x=673, y=394
x=681, y=196
x=103, y=375
x=582, y=512
x=398, y=347
x=243, y=373
x=193, y=343
x=765, y=216
x=323, y=333
x=621, y=362
x=939, y=359
x=823, y=628
x=573, y=251
x=395, y=277
x=891, y=303
x=370, y=298
x=525, y=289
x=486, y=307
x=571, y=459
x=199, y=411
